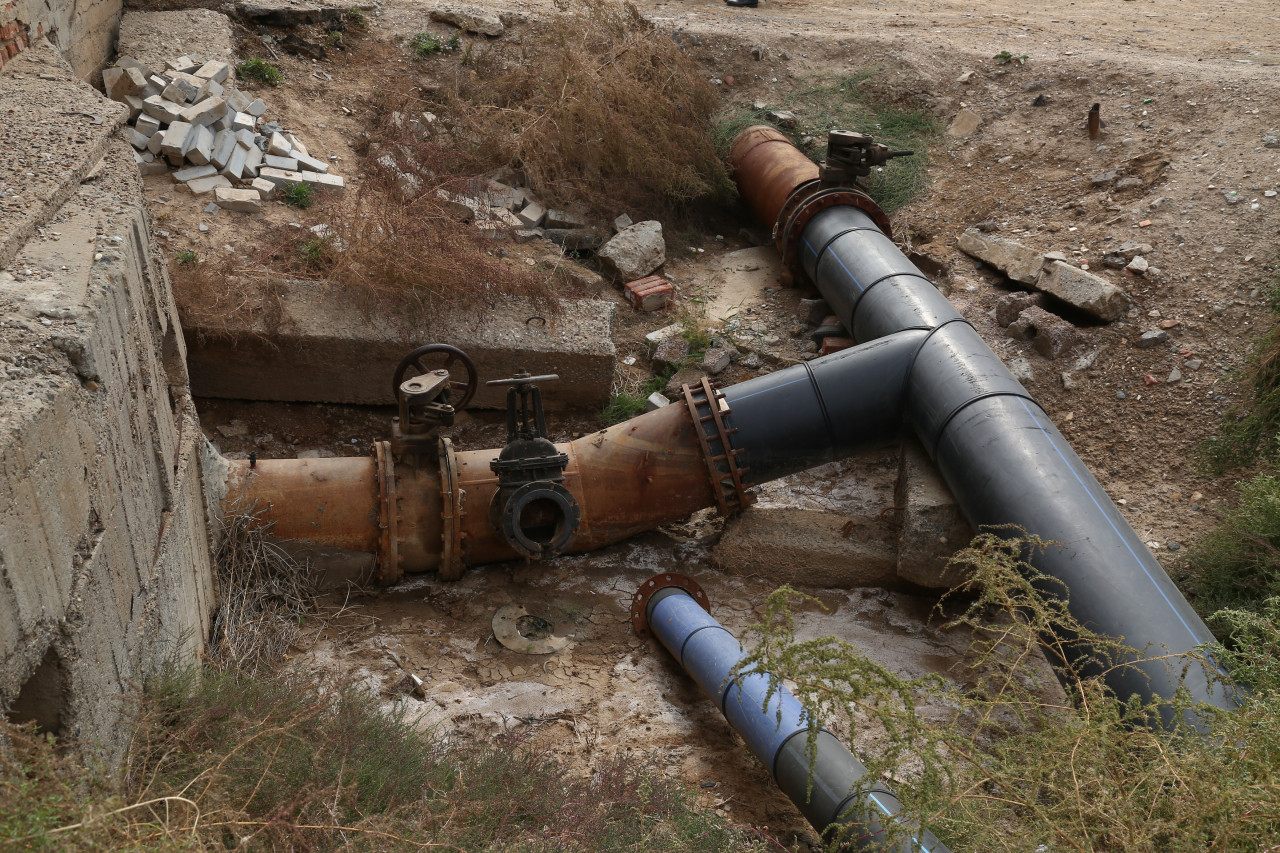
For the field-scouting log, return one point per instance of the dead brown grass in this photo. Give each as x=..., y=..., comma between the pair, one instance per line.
x=596, y=106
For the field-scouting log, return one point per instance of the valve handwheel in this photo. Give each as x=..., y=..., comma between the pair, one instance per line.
x=452, y=355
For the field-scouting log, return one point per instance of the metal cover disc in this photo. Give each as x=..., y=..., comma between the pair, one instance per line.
x=529, y=634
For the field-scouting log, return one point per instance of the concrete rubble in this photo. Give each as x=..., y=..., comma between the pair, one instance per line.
x=190, y=117
x=634, y=252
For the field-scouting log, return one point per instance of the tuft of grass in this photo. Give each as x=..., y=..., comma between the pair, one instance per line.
x=843, y=104
x=596, y=105
x=298, y=195
x=333, y=38
x=356, y=18
x=426, y=45
x=1004, y=57
x=188, y=256
x=222, y=760
x=1017, y=765
x=260, y=70
x=1237, y=564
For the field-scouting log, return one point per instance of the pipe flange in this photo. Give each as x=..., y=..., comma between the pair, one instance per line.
x=389, y=570
x=708, y=408
x=810, y=200
x=565, y=507
x=453, y=507
x=640, y=601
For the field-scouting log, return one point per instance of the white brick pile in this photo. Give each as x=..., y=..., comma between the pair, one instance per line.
x=193, y=119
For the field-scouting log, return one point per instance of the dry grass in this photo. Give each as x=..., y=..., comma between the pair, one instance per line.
x=596, y=106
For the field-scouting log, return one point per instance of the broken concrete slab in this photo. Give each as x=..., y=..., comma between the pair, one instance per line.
x=281, y=13
x=241, y=201
x=470, y=18
x=932, y=525
x=207, y=184
x=1051, y=335
x=806, y=546
x=1083, y=290
x=1018, y=262
x=1010, y=305
x=326, y=349
x=635, y=252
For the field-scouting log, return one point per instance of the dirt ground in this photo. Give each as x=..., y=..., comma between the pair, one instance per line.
x=1190, y=87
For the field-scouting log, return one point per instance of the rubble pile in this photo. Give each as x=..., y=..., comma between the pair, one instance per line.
x=191, y=118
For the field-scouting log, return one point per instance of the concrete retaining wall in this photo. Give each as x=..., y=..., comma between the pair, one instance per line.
x=104, y=554
x=84, y=31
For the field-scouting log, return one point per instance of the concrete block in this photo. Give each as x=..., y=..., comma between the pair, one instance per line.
x=177, y=93
x=635, y=252
x=1084, y=290
x=278, y=146
x=155, y=167
x=325, y=352
x=656, y=400
x=177, y=139
x=649, y=294
x=134, y=103
x=190, y=173
x=331, y=182
x=265, y=188
x=245, y=138
x=238, y=100
x=564, y=219
x=243, y=121
x=201, y=148
x=1051, y=335
x=207, y=184
x=137, y=140
x=241, y=201
x=214, y=70
x=162, y=109
x=252, y=160
x=157, y=82
x=1010, y=305
x=223, y=142
x=807, y=547
x=130, y=62
x=182, y=63
x=311, y=164
x=257, y=108
x=932, y=527
x=204, y=113
x=153, y=144
x=1018, y=262
x=532, y=215
x=235, y=163
x=296, y=144
x=289, y=164
x=279, y=177
x=120, y=82
x=210, y=89
x=147, y=125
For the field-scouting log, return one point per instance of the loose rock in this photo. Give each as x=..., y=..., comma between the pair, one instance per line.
x=1083, y=290
x=469, y=18
x=634, y=252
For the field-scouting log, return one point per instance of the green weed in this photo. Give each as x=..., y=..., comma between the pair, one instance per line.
x=356, y=18
x=261, y=71
x=188, y=256
x=333, y=38
x=1237, y=564
x=298, y=195
x=1004, y=57
x=426, y=45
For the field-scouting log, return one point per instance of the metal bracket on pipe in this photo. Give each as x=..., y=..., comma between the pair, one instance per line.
x=453, y=506
x=707, y=407
x=389, y=570
x=640, y=601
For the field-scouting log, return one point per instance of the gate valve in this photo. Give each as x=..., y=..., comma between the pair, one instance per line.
x=425, y=401
x=851, y=156
x=532, y=510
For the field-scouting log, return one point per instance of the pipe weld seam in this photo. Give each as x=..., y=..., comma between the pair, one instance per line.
x=867, y=289
x=942, y=426
x=822, y=404
x=680, y=657
x=817, y=254
x=773, y=765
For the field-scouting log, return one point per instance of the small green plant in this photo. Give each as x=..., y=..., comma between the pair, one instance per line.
x=1237, y=564
x=261, y=71
x=334, y=38
x=299, y=195
x=188, y=256
x=357, y=18
x=1004, y=57
x=312, y=251
x=426, y=45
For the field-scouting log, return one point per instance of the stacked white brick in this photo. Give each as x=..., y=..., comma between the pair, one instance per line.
x=191, y=117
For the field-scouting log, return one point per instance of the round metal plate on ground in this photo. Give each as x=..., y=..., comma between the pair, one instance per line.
x=528, y=633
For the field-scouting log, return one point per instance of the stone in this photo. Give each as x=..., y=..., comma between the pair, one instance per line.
x=278, y=146
x=182, y=63
x=656, y=400
x=243, y=121
x=1132, y=182
x=469, y=18
x=564, y=219
x=1051, y=335
x=214, y=70
x=289, y=164
x=265, y=188
x=235, y=163
x=1068, y=382
x=153, y=144
x=932, y=527
x=242, y=201
x=532, y=215
x=238, y=101
x=685, y=376
x=1138, y=265
x=307, y=163
x=1022, y=371
x=634, y=252
x=807, y=547
x=223, y=144
x=130, y=81
x=1104, y=179
x=279, y=177
x=965, y=123
x=716, y=360
x=200, y=186
x=654, y=338
x=204, y=113
x=1018, y=262
x=210, y=89
x=161, y=109
x=147, y=125
x=177, y=139
x=649, y=294
x=329, y=182
x=1175, y=376
x=155, y=167
x=1129, y=249
x=252, y=160
x=782, y=118
x=190, y=173
x=137, y=140
x=621, y=223
x=670, y=353
x=1010, y=305
x=1153, y=338
x=1084, y=290
x=201, y=145
x=575, y=239
x=256, y=108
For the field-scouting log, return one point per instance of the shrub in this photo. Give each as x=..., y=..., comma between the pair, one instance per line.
x=298, y=195
x=261, y=71
x=426, y=45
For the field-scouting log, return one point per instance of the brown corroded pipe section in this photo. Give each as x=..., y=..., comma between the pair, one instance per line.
x=768, y=168
x=332, y=502
x=627, y=479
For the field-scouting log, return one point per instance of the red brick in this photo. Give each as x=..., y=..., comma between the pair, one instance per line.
x=650, y=293
x=830, y=345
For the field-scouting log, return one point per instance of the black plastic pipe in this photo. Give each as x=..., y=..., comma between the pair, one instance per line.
x=837, y=798
x=1005, y=462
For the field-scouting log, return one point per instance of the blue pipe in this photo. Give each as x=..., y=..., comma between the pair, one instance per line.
x=836, y=797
